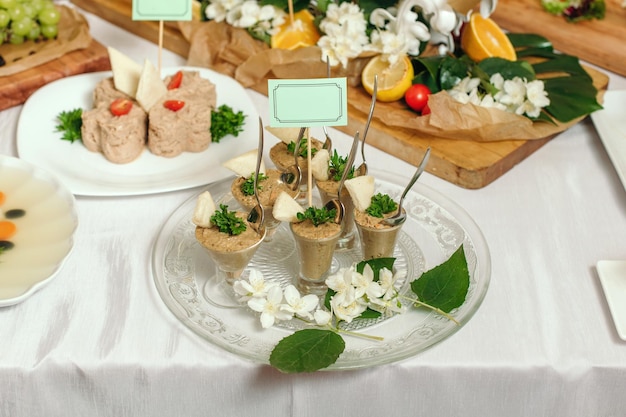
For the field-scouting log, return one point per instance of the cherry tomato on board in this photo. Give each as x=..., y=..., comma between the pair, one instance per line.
x=416, y=96
x=176, y=80
x=174, y=105
x=121, y=106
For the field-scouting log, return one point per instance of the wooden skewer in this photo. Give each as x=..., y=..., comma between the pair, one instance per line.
x=160, y=44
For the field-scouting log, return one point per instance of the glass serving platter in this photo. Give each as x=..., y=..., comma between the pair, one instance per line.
x=435, y=228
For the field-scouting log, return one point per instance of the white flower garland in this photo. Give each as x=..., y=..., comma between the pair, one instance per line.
x=516, y=95
x=354, y=293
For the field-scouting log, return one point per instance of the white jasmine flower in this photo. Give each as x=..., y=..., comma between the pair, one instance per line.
x=300, y=306
x=536, y=93
x=218, y=9
x=270, y=307
x=322, y=317
x=514, y=92
x=497, y=80
x=348, y=307
x=345, y=34
x=254, y=287
x=364, y=284
x=387, y=307
x=387, y=281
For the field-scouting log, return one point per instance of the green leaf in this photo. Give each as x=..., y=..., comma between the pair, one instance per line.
x=529, y=40
x=452, y=71
x=445, y=286
x=376, y=264
x=571, y=97
x=307, y=350
x=508, y=69
x=561, y=63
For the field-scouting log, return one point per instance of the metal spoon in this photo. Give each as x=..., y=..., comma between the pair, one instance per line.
x=400, y=216
x=362, y=169
x=293, y=174
x=256, y=217
x=336, y=203
x=328, y=143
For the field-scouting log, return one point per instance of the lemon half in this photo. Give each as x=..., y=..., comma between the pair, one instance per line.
x=393, y=80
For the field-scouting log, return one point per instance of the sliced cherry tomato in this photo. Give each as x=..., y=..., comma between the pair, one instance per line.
x=121, y=106
x=176, y=80
x=174, y=105
x=425, y=110
x=416, y=96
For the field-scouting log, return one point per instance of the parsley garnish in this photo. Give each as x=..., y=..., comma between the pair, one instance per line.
x=318, y=215
x=247, y=188
x=70, y=123
x=224, y=121
x=228, y=222
x=291, y=147
x=381, y=204
x=337, y=165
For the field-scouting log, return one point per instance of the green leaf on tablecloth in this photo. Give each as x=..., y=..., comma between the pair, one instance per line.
x=445, y=286
x=307, y=350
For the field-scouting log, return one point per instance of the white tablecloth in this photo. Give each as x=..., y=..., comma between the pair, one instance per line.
x=99, y=341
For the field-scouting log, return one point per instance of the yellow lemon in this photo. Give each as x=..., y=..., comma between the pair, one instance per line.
x=393, y=80
x=482, y=38
x=300, y=32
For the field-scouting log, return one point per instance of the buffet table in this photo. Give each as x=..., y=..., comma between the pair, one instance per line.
x=98, y=339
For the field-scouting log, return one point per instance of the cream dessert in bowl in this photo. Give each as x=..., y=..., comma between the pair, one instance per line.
x=269, y=186
x=229, y=239
x=378, y=239
x=327, y=171
x=315, y=234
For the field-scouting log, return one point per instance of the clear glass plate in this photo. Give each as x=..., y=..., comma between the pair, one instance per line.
x=435, y=228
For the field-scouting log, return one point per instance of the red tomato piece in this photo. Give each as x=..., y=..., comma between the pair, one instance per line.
x=416, y=96
x=425, y=110
x=121, y=106
x=174, y=105
x=176, y=80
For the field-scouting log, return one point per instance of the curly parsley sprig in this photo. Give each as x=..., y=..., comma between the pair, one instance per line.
x=70, y=123
x=247, y=188
x=224, y=122
x=303, y=151
x=318, y=215
x=337, y=165
x=228, y=222
x=380, y=205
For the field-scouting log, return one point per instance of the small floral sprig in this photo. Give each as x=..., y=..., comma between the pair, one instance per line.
x=350, y=28
x=380, y=205
x=517, y=95
x=318, y=215
x=367, y=289
x=247, y=187
x=227, y=221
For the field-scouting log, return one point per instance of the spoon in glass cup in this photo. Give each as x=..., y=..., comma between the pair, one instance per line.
x=256, y=217
x=400, y=216
x=293, y=175
x=336, y=202
x=362, y=169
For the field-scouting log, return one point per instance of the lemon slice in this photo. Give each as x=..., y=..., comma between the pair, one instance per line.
x=482, y=38
x=393, y=80
x=299, y=33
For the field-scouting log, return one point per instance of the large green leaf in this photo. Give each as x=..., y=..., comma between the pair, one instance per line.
x=307, y=350
x=529, y=40
x=571, y=97
x=508, y=69
x=445, y=286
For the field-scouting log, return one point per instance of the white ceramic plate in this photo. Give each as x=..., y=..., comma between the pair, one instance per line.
x=44, y=234
x=611, y=126
x=89, y=173
x=613, y=278
x=434, y=229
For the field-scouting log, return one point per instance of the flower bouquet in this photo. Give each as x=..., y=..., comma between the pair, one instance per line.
x=527, y=96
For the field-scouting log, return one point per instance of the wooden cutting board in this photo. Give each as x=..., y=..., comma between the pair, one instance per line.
x=16, y=88
x=468, y=164
x=599, y=42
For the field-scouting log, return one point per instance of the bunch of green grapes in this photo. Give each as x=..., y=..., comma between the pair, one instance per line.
x=22, y=20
